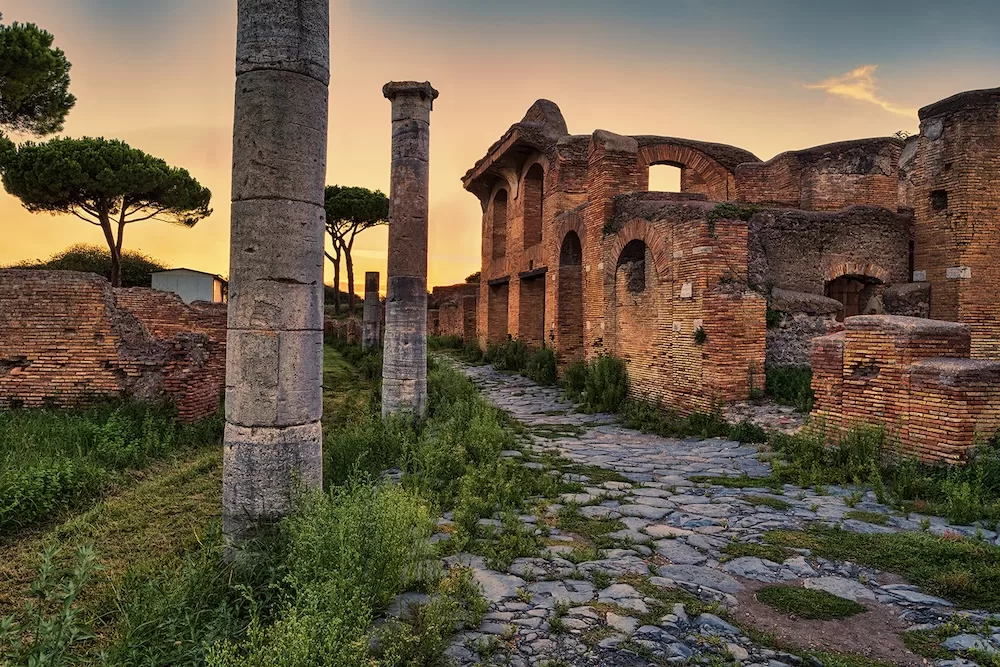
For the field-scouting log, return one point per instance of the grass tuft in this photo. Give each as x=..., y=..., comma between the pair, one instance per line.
x=808, y=603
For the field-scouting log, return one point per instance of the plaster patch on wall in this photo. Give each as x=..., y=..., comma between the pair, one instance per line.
x=958, y=272
x=687, y=291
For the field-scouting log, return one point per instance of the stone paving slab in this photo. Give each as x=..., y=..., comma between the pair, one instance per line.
x=675, y=532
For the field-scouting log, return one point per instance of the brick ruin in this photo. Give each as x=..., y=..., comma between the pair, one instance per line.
x=452, y=311
x=758, y=263
x=68, y=337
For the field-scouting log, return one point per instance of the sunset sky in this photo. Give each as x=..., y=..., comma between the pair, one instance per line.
x=765, y=75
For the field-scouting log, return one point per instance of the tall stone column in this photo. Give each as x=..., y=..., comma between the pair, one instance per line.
x=274, y=361
x=404, y=368
x=371, y=333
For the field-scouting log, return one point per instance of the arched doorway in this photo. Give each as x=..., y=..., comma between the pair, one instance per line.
x=570, y=299
x=860, y=295
x=499, y=225
x=636, y=311
x=532, y=192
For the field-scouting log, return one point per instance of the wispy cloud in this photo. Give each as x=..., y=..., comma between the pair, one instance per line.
x=860, y=84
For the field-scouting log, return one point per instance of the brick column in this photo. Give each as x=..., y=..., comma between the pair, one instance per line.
x=613, y=169
x=404, y=369
x=371, y=333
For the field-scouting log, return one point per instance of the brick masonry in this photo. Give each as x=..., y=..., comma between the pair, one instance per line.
x=452, y=310
x=67, y=337
x=912, y=375
x=876, y=225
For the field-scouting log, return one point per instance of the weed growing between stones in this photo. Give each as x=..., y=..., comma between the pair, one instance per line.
x=965, y=571
x=867, y=455
x=808, y=603
x=790, y=385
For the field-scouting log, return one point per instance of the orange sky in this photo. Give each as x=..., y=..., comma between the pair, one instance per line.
x=161, y=78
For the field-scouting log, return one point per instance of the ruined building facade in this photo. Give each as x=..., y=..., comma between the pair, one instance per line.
x=753, y=263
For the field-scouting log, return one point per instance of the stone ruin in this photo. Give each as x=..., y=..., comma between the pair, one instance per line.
x=752, y=261
x=404, y=368
x=452, y=309
x=67, y=338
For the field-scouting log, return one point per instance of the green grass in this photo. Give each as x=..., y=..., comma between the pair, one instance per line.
x=868, y=456
x=966, y=572
x=52, y=460
x=766, y=551
x=767, y=501
x=808, y=603
x=868, y=517
x=790, y=385
x=595, y=531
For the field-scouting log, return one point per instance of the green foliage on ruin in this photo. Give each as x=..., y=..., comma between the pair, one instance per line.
x=474, y=277
x=731, y=211
x=137, y=268
x=34, y=81
x=790, y=385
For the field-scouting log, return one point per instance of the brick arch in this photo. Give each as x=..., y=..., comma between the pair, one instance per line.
x=836, y=270
x=533, y=159
x=566, y=223
x=638, y=229
x=714, y=176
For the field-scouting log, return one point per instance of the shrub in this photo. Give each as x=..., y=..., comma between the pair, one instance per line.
x=137, y=268
x=445, y=343
x=511, y=355
x=349, y=552
x=541, y=366
x=606, y=386
x=574, y=380
x=790, y=385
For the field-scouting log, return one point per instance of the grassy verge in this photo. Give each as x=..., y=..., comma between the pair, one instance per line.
x=868, y=456
x=964, y=571
x=309, y=592
x=52, y=460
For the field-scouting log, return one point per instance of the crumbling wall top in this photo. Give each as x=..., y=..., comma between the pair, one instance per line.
x=987, y=98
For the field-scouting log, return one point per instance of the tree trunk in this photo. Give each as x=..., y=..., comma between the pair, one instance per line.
x=336, y=281
x=274, y=400
x=350, y=282
x=114, y=248
x=116, y=268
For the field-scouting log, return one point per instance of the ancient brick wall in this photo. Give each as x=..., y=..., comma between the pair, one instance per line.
x=693, y=277
x=956, y=199
x=827, y=177
x=803, y=251
x=913, y=376
x=66, y=337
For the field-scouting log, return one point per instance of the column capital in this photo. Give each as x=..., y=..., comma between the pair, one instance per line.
x=423, y=90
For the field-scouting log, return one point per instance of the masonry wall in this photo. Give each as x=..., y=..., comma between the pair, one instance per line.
x=802, y=251
x=826, y=178
x=913, y=376
x=67, y=337
x=696, y=278
x=956, y=200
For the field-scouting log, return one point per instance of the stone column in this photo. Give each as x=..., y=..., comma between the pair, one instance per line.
x=404, y=369
x=371, y=333
x=274, y=396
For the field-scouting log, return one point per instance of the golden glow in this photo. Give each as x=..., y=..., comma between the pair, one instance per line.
x=170, y=91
